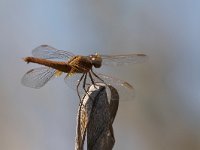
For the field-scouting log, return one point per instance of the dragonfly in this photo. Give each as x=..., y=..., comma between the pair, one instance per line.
x=55, y=62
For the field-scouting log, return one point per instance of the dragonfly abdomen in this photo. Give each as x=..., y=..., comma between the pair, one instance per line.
x=61, y=66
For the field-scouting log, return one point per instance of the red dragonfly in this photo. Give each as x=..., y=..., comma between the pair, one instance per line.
x=75, y=65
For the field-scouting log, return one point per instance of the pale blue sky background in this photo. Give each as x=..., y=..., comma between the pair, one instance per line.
x=165, y=113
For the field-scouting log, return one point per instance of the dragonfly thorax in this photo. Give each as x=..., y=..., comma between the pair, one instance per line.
x=96, y=60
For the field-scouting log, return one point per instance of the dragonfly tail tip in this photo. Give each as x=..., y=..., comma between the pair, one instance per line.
x=26, y=59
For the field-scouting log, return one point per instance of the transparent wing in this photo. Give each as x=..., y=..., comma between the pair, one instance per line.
x=123, y=59
x=48, y=52
x=38, y=77
x=114, y=81
x=73, y=80
x=126, y=90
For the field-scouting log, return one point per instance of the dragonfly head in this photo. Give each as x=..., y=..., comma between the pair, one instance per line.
x=96, y=60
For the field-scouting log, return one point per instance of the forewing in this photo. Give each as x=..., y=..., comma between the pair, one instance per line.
x=49, y=52
x=38, y=77
x=123, y=59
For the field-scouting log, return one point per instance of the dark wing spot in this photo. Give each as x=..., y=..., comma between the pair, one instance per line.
x=29, y=71
x=44, y=45
x=141, y=55
x=126, y=84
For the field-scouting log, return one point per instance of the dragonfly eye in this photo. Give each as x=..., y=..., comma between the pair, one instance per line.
x=96, y=61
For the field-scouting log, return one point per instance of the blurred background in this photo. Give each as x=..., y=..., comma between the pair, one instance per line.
x=165, y=112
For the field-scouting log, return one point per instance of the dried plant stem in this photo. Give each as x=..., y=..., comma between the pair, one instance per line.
x=95, y=116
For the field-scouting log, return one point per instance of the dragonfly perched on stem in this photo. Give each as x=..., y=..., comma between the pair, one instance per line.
x=75, y=65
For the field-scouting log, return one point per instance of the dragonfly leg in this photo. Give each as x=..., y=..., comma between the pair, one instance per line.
x=92, y=80
x=84, y=78
x=84, y=84
x=86, y=93
x=78, y=86
x=98, y=77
